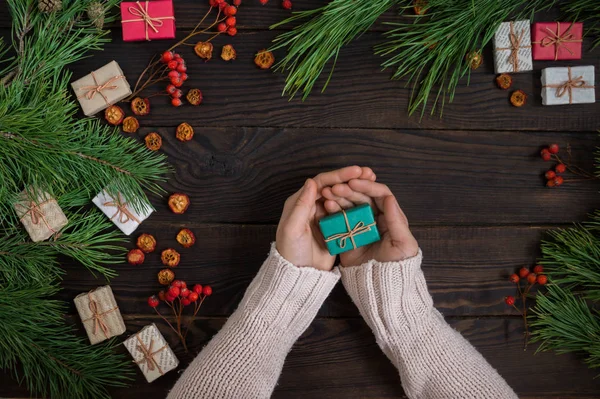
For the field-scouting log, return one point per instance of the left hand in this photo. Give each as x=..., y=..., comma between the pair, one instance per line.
x=299, y=239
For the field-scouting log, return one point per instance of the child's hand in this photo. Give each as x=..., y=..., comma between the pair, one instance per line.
x=299, y=239
x=397, y=242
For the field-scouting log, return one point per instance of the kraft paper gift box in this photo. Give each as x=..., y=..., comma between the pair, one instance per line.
x=568, y=85
x=512, y=47
x=40, y=214
x=147, y=20
x=349, y=229
x=557, y=40
x=121, y=213
x=100, y=314
x=151, y=352
x=101, y=88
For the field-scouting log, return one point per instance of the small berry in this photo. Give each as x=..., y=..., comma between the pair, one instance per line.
x=546, y=156
x=558, y=180
x=560, y=168
x=263, y=2
x=509, y=300
x=286, y=4
x=222, y=27
x=550, y=175
x=207, y=290
x=177, y=93
x=171, y=89
x=166, y=56
x=176, y=56
x=213, y=3
x=135, y=257
x=230, y=11
x=222, y=5
x=184, y=292
x=162, y=295
x=173, y=75
x=197, y=289
x=181, y=68
x=178, y=283
x=514, y=278
x=184, y=76
x=193, y=297
x=230, y=21
x=237, y=3
x=222, y=2
x=173, y=291
x=537, y=269
x=550, y=183
x=531, y=278
x=153, y=301
x=523, y=272
x=172, y=64
x=553, y=148
x=170, y=298
x=185, y=302
x=176, y=102
x=542, y=279
x=177, y=82
x=232, y=31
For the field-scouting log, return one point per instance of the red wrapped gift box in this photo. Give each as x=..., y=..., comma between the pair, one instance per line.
x=556, y=40
x=147, y=20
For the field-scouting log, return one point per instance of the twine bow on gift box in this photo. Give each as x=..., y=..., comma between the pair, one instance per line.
x=124, y=214
x=153, y=22
x=359, y=228
x=569, y=85
x=98, y=316
x=558, y=40
x=515, y=46
x=34, y=211
x=148, y=355
x=97, y=88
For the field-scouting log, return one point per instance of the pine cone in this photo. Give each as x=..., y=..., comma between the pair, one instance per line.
x=95, y=13
x=48, y=6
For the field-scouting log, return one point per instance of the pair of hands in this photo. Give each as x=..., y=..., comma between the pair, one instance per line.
x=300, y=241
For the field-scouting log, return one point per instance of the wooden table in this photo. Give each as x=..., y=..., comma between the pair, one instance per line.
x=470, y=183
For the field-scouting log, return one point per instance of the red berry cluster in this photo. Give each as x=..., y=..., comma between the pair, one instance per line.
x=177, y=75
x=178, y=296
x=552, y=176
x=531, y=278
x=230, y=11
x=285, y=4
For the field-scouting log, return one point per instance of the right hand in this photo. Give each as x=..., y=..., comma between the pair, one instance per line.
x=397, y=242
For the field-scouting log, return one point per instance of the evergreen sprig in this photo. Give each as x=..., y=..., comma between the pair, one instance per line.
x=587, y=11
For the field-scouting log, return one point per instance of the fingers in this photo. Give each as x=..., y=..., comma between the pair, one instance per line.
x=344, y=191
x=338, y=176
x=304, y=206
x=332, y=206
x=376, y=191
x=367, y=174
x=395, y=220
x=341, y=201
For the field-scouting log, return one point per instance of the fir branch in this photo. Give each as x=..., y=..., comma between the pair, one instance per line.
x=587, y=11
x=432, y=52
x=312, y=44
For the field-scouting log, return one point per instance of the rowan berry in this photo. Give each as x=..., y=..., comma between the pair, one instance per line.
x=560, y=168
x=237, y=3
x=140, y=106
x=531, y=278
x=173, y=291
x=546, y=156
x=153, y=301
x=185, y=302
x=130, y=124
x=173, y=75
x=197, y=289
x=263, y=2
x=213, y=3
x=230, y=11
x=230, y=21
x=179, y=203
x=550, y=175
x=184, y=292
x=542, y=279
x=553, y=148
x=177, y=56
x=178, y=82
x=171, y=89
x=178, y=283
x=207, y=290
x=181, y=68
x=172, y=64
x=222, y=27
x=166, y=276
x=177, y=94
x=514, y=278
x=186, y=238
x=550, y=183
x=538, y=269
x=184, y=76
x=222, y=6
x=135, y=257
x=523, y=272
x=176, y=102
x=170, y=257
x=170, y=298
x=166, y=57
x=232, y=31
x=558, y=180
x=146, y=242
x=509, y=300
x=161, y=295
x=286, y=4
x=193, y=297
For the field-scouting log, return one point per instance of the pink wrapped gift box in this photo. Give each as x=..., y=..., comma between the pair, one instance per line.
x=147, y=20
x=557, y=40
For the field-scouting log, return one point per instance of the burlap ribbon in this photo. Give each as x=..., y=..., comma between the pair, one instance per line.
x=148, y=355
x=98, y=316
x=359, y=228
x=34, y=211
x=569, y=85
x=558, y=40
x=153, y=22
x=98, y=88
x=124, y=214
x=515, y=46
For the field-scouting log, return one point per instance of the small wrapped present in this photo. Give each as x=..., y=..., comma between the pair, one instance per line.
x=40, y=214
x=349, y=229
x=512, y=47
x=122, y=215
x=556, y=41
x=147, y=20
x=101, y=88
x=151, y=352
x=100, y=314
x=568, y=85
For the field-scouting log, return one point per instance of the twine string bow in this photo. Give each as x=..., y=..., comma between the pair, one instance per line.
x=557, y=40
x=148, y=355
x=34, y=211
x=568, y=86
x=97, y=88
x=123, y=213
x=97, y=316
x=515, y=46
x=359, y=228
x=144, y=16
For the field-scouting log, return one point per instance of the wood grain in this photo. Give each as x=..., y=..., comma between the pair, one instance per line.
x=338, y=358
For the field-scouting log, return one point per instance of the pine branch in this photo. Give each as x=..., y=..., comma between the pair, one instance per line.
x=587, y=11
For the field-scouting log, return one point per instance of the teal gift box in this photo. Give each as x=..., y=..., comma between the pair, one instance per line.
x=349, y=229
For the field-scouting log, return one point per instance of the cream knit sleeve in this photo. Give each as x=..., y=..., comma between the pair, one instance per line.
x=245, y=358
x=433, y=359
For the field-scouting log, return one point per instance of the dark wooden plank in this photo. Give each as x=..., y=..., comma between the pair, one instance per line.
x=466, y=268
x=440, y=177
x=362, y=371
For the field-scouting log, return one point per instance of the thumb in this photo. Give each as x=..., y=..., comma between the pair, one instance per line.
x=303, y=207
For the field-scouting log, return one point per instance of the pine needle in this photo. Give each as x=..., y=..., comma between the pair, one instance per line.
x=587, y=11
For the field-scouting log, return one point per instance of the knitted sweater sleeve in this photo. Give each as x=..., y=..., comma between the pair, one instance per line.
x=433, y=359
x=245, y=358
